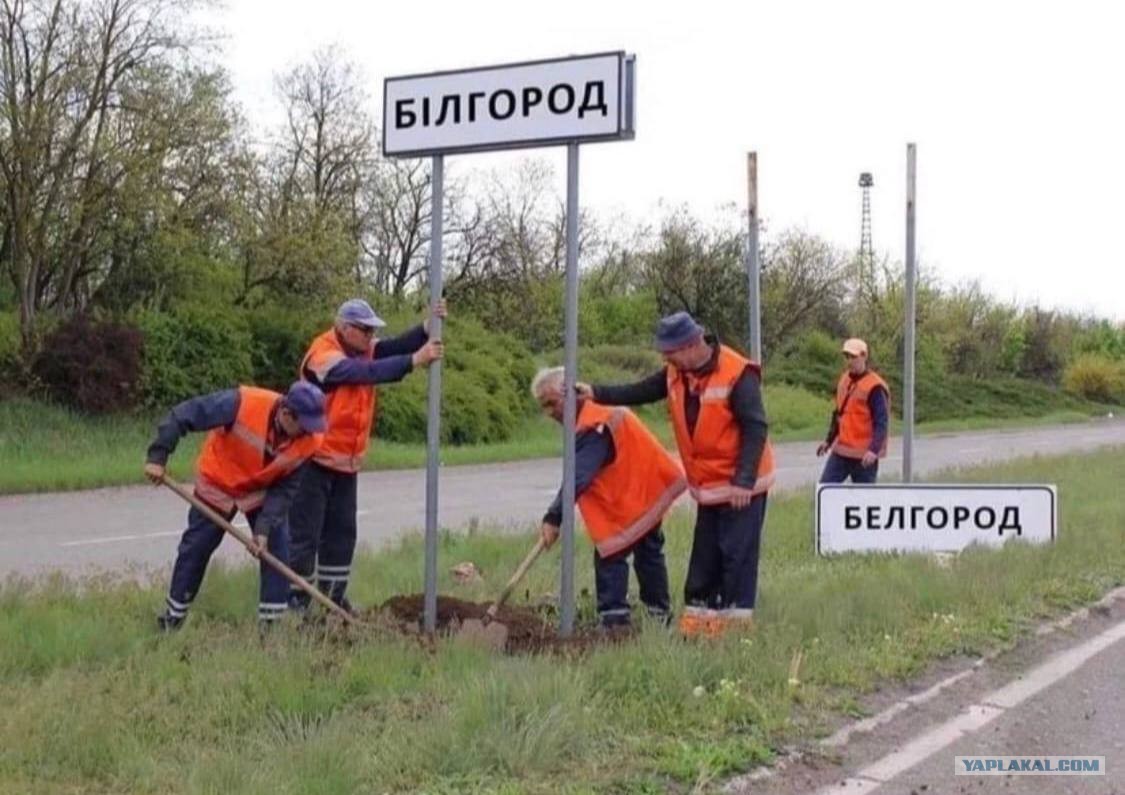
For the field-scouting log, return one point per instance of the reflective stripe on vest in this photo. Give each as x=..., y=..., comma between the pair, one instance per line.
x=629, y=497
x=856, y=426
x=710, y=452
x=349, y=408
x=237, y=466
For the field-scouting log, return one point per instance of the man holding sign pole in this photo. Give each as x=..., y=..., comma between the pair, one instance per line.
x=714, y=400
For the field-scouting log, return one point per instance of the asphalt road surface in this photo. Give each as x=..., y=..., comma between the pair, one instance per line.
x=136, y=528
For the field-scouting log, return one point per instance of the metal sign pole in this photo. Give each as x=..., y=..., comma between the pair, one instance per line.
x=433, y=422
x=566, y=587
x=753, y=265
x=908, y=365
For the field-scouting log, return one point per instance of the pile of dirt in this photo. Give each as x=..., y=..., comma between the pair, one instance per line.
x=528, y=631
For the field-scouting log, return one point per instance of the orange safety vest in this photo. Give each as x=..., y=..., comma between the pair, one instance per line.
x=856, y=429
x=349, y=408
x=630, y=496
x=710, y=455
x=237, y=464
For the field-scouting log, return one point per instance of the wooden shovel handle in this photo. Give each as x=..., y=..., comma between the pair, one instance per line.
x=520, y=572
x=252, y=548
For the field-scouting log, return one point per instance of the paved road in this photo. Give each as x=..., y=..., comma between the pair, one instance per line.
x=1056, y=694
x=89, y=531
x=1082, y=714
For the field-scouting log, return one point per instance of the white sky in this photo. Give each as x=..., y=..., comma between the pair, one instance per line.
x=1016, y=108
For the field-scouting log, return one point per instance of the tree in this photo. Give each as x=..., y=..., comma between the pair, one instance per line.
x=69, y=71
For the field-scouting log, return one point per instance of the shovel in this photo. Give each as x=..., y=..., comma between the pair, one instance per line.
x=252, y=548
x=487, y=630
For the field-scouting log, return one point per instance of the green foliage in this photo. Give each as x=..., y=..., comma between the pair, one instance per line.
x=279, y=339
x=485, y=379
x=1097, y=377
x=627, y=319
x=1102, y=338
x=9, y=340
x=813, y=363
x=193, y=351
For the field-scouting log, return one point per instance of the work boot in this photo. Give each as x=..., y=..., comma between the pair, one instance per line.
x=299, y=602
x=166, y=622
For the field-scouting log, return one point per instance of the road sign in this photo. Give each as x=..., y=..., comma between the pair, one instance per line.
x=931, y=517
x=561, y=101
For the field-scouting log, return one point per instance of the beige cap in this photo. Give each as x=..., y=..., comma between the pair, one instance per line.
x=855, y=346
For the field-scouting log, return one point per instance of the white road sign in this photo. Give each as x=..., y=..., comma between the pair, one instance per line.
x=578, y=99
x=931, y=517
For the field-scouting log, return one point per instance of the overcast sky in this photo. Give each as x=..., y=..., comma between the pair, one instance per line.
x=1016, y=109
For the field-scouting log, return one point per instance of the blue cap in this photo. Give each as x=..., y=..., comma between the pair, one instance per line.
x=676, y=331
x=307, y=402
x=359, y=312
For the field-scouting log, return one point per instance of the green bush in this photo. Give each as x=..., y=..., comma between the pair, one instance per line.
x=1096, y=377
x=485, y=380
x=814, y=363
x=9, y=340
x=279, y=340
x=193, y=351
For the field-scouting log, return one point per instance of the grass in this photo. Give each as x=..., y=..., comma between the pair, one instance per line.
x=95, y=701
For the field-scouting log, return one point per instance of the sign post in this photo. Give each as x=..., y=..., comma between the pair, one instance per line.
x=564, y=101
x=753, y=263
x=908, y=340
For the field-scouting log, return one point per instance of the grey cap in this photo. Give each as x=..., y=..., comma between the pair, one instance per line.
x=359, y=312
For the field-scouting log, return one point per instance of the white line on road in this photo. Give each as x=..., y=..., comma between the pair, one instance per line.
x=239, y=522
x=972, y=718
x=115, y=539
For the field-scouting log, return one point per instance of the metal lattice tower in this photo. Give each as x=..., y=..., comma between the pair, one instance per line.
x=866, y=249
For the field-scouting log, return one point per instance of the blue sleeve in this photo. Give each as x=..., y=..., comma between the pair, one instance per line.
x=592, y=451
x=407, y=342
x=877, y=402
x=219, y=409
x=279, y=496
x=363, y=371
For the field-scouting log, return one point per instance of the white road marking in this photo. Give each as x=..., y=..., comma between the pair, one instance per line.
x=239, y=522
x=971, y=719
x=116, y=539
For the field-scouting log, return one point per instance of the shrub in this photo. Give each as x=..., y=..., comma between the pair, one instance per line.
x=485, y=377
x=93, y=366
x=193, y=351
x=279, y=339
x=1096, y=377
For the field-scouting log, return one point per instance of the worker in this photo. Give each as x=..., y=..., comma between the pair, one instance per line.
x=857, y=430
x=346, y=362
x=625, y=482
x=257, y=446
x=714, y=399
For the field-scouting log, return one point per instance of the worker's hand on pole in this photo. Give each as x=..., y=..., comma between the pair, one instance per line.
x=740, y=497
x=439, y=310
x=259, y=545
x=430, y=352
x=822, y=448
x=584, y=390
x=868, y=460
x=549, y=533
x=154, y=472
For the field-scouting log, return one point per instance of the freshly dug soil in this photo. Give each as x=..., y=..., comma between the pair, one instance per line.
x=528, y=631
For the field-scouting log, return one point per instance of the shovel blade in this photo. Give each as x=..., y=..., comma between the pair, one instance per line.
x=493, y=635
